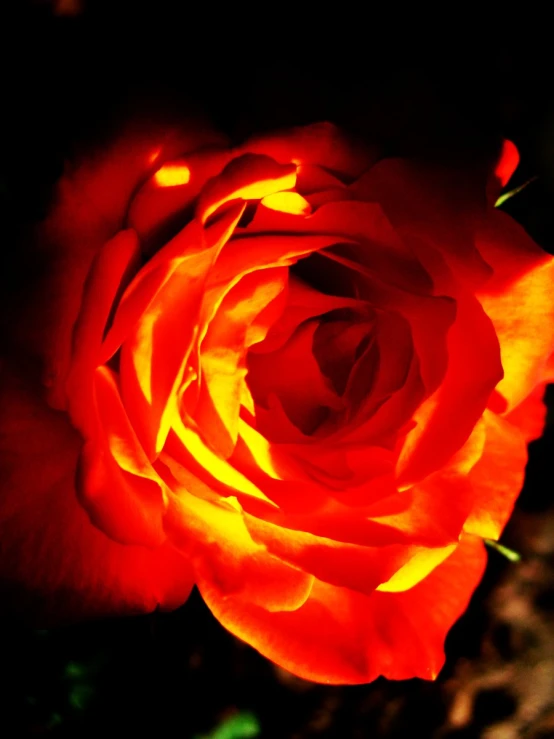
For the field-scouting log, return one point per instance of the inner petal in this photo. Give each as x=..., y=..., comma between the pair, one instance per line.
x=294, y=376
x=308, y=376
x=339, y=340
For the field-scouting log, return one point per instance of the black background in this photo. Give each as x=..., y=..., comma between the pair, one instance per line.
x=446, y=88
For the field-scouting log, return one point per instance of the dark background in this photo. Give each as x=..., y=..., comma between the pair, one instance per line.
x=72, y=73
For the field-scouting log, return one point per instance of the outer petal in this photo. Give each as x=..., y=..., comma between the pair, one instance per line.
x=90, y=206
x=339, y=636
x=214, y=536
x=163, y=203
x=519, y=299
x=321, y=144
x=497, y=478
x=503, y=170
x=116, y=483
x=440, y=206
x=53, y=559
x=530, y=415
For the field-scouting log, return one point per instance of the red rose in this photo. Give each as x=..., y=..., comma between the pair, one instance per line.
x=296, y=376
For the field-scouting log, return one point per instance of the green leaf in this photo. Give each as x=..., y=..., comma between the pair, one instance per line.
x=510, y=194
x=504, y=551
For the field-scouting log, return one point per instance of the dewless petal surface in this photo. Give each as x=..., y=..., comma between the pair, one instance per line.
x=54, y=561
x=340, y=636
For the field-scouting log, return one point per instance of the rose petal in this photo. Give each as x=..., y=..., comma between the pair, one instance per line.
x=155, y=207
x=342, y=637
x=530, y=415
x=507, y=162
x=293, y=374
x=89, y=208
x=321, y=144
x=155, y=355
x=439, y=206
x=225, y=555
x=116, y=484
x=53, y=557
x=372, y=241
x=358, y=567
x=497, y=478
x=447, y=418
x=520, y=302
x=248, y=177
x=287, y=202
x=110, y=271
x=223, y=351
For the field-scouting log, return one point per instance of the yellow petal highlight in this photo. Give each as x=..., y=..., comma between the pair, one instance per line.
x=172, y=174
x=288, y=202
x=419, y=566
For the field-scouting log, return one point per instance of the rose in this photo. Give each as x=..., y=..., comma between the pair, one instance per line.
x=296, y=376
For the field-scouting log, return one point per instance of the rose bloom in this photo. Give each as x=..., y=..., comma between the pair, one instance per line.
x=296, y=376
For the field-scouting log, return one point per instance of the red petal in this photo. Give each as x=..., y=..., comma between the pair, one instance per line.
x=321, y=144
x=519, y=300
x=439, y=206
x=372, y=242
x=111, y=269
x=358, y=567
x=224, y=554
x=447, y=418
x=249, y=177
x=223, y=354
x=530, y=415
x=90, y=206
x=497, y=477
x=155, y=354
x=342, y=637
x=155, y=207
x=116, y=483
x=52, y=555
x=507, y=162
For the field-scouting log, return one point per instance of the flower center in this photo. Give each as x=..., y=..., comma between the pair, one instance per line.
x=312, y=379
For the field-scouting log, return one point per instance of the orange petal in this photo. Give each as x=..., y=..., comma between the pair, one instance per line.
x=158, y=207
x=116, y=483
x=154, y=356
x=430, y=316
x=520, y=303
x=358, y=567
x=372, y=241
x=225, y=555
x=530, y=415
x=186, y=454
x=53, y=558
x=223, y=354
x=287, y=202
x=89, y=208
x=447, y=418
x=112, y=268
x=342, y=637
x=497, y=478
x=249, y=177
x=244, y=254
